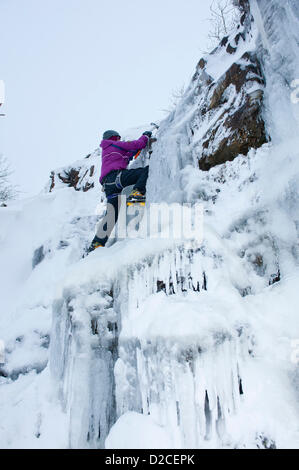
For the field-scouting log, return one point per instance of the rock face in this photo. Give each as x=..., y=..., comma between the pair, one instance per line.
x=241, y=126
x=81, y=176
x=231, y=108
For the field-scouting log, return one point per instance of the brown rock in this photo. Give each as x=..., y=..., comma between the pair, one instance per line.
x=70, y=177
x=52, y=178
x=246, y=131
x=80, y=177
x=200, y=66
x=202, y=63
x=224, y=41
x=243, y=18
x=241, y=125
x=87, y=187
x=238, y=37
x=230, y=49
x=237, y=75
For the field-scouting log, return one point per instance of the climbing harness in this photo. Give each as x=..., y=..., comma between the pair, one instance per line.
x=112, y=196
x=117, y=181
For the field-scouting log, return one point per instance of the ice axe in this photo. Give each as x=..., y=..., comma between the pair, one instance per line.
x=152, y=140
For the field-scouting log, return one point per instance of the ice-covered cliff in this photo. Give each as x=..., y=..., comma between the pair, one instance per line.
x=155, y=343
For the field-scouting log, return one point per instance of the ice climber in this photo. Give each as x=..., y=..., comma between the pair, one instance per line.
x=116, y=155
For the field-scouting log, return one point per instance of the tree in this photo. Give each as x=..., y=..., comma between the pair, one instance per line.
x=176, y=96
x=223, y=19
x=7, y=190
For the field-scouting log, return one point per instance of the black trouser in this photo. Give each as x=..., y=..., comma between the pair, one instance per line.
x=136, y=176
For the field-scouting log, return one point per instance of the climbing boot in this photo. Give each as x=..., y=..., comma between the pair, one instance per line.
x=136, y=197
x=95, y=244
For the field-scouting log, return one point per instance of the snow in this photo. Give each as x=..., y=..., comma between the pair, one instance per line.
x=221, y=61
x=182, y=319
x=26, y=308
x=30, y=414
x=160, y=343
x=145, y=434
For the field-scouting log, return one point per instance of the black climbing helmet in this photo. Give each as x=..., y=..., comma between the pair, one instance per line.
x=110, y=133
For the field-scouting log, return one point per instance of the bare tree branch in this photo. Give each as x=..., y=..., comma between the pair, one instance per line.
x=176, y=95
x=223, y=19
x=7, y=190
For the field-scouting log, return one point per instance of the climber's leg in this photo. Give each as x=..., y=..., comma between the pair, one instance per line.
x=136, y=176
x=107, y=224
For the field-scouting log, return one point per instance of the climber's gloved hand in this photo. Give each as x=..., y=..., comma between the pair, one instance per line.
x=148, y=134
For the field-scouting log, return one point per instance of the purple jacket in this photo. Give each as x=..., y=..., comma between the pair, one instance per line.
x=114, y=158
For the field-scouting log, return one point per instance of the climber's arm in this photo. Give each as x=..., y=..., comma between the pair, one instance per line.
x=134, y=145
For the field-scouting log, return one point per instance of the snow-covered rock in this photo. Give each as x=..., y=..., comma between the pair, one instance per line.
x=81, y=175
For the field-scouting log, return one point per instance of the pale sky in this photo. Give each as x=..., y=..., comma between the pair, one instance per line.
x=74, y=68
